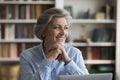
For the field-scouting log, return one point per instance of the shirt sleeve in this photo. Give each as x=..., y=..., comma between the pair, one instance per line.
x=76, y=65
x=28, y=73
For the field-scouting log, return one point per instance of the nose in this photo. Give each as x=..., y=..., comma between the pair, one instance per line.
x=62, y=31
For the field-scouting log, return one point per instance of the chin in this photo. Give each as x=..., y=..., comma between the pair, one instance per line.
x=61, y=43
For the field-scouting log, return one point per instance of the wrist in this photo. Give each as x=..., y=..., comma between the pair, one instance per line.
x=67, y=61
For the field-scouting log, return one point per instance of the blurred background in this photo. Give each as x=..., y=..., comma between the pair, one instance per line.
x=94, y=31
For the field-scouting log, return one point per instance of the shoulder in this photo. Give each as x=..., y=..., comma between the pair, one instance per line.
x=71, y=50
x=30, y=51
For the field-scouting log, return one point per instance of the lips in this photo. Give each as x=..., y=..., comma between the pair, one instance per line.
x=61, y=38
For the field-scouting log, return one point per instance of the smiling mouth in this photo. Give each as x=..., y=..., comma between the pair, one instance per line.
x=60, y=38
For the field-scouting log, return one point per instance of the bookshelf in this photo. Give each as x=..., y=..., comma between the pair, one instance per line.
x=17, y=15
x=92, y=21
x=81, y=28
x=17, y=21
x=89, y=15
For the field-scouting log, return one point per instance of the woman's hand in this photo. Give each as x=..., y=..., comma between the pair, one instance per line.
x=57, y=51
x=63, y=56
x=52, y=52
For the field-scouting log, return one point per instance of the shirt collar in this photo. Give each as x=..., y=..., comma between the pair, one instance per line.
x=42, y=51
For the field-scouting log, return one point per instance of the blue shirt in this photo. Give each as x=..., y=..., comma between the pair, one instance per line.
x=35, y=66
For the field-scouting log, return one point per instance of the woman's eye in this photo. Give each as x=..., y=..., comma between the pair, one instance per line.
x=55, y=27
x=58, y=27
x=66, y=27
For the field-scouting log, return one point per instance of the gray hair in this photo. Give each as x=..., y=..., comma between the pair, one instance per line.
x=47, y=16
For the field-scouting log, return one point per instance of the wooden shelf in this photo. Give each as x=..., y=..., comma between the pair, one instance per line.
x=2, y=60
x=93, y=21
x=92, y=44
x=18, y=21
x=86, y=61
x=27, y=2
x=20, y=41
x=99, y=62
x=74, y=21
x=71, y=43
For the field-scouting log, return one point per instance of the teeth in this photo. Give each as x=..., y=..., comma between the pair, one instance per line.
x=60, y=38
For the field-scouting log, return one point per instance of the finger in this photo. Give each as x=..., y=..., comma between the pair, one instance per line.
x=59, y=57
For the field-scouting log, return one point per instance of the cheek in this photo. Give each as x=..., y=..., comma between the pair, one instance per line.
x=51, y=34
x=67, y=34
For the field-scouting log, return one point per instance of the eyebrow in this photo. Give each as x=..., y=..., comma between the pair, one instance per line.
x=60, y=25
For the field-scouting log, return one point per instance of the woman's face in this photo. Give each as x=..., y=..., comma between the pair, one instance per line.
x=57, y=31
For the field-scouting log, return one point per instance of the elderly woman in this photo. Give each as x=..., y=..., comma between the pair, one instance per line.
x=52, y=57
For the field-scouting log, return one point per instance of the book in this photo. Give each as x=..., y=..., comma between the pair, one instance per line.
x=16, y=12
x=113, y=34
x=10, y=11
x=2, y=31
x=22, y=11
x=101, y=35
x=89, y=53
x=0, y=50
x=104, y=53
x=24, y=31
x=9, y=72
x=19, y=31
x=4, y=50
x=13, y=50
x=38, y=9
x=8, y=50
x=95, y=53
x=10, y=31
x=30, y=31
x=8, y=47
x=3, y=11
x=28, y=12
x=111, y=53
x=20, y=48
x=32, y=12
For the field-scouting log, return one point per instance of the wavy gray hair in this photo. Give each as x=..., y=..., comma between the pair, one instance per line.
x=46, y=18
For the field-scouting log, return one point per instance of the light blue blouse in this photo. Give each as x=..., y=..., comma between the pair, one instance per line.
x=35, y=66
